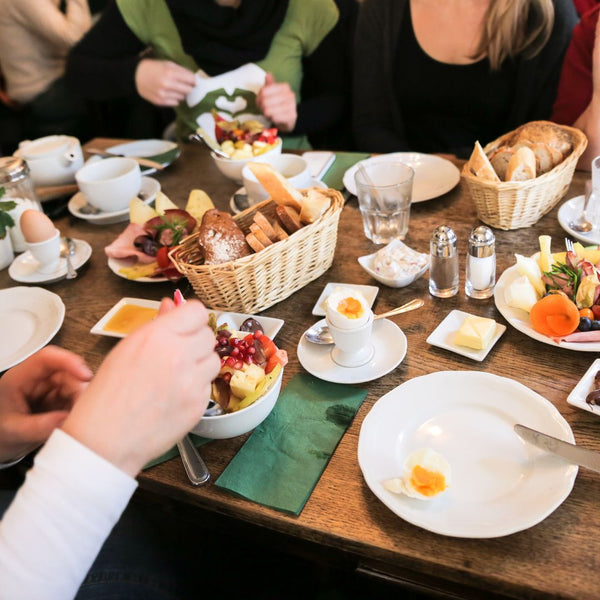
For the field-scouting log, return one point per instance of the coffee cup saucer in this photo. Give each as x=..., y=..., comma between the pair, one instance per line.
x=25, y=267
x=389, y=345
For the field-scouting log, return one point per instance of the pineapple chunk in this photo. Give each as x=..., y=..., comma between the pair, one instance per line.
x=530, y=268
x=244, y=381
x=163, y=202
x=545, y=260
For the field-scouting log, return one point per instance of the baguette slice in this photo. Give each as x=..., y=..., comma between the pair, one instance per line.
x=263, y=223
x=500, y=159
x=315, y=203
x=289, y=218
x=280, y=232
x=254, y=243
x=260, y=235
x=276, y=185
x=522, y=165
x=480, y=165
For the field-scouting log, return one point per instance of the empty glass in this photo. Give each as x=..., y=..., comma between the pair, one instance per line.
x=384, y=190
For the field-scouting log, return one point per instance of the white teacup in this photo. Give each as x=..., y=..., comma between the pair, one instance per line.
x=111, y=183
x=47, y=253
x=52, y=160
x=352, y=346
x=293, y=168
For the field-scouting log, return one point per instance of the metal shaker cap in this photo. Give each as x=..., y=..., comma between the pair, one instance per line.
x=12, y=168
x=482, y=242
x=443, y=241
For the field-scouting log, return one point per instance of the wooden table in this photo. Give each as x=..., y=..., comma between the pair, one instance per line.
x=558, y=558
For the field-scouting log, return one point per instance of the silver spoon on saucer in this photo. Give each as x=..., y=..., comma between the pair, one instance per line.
x=319, y=334
x=67, y=250
x=582, y=225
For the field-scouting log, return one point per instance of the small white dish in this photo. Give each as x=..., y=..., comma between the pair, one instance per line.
x=434, y=175
x=389, y=344
x=235, y=209
x=116, y=264
x=583, y=388
x=571, y=211
x=150, y=187
x=25, y=267
x=443, y=335
x=29, y=319
x=366, y=262
x=100, y=327
x=369, y=293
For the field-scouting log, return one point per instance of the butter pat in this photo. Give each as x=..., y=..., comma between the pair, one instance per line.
x=475, y=332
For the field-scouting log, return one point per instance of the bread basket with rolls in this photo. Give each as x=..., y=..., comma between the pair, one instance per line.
x=290, y=240
x=518, y=178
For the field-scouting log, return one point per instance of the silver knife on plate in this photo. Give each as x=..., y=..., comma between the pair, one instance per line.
x=589, y=459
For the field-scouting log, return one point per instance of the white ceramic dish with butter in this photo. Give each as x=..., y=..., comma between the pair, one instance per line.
x=443, y=336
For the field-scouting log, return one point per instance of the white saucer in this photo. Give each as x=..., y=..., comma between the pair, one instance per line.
x=150, y=187
x=570, y=211
x=235, y=210
x=24, y=267
x=389, y=343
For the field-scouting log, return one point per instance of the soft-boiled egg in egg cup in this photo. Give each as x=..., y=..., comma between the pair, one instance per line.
x=41, y=238
x=347, y=309
x=426, y=475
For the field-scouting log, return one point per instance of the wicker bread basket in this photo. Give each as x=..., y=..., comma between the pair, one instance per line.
x=516, y=204
x=253, y=283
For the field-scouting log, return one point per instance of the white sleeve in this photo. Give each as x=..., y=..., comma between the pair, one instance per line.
x=59, y=519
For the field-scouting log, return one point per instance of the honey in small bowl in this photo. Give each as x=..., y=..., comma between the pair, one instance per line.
x=129, y=318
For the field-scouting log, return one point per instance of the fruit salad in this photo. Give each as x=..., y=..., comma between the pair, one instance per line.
x=250, y=364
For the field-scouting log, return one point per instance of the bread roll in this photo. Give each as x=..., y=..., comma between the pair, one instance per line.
x=220, y=238
x=546, y=132
x=480, y=165
x=521, y=166
x=276, y=185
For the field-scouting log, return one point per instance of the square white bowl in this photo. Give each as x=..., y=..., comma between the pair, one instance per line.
x=443, y=335
x=369, y=293
x=583, y=388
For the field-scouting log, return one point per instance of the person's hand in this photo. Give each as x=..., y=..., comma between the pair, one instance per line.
x=163, y=82
x=151, y=389
x=277, y=102
x=35, y=399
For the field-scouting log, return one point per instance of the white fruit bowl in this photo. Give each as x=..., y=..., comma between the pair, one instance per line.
x=219, y=427
x=233, y=168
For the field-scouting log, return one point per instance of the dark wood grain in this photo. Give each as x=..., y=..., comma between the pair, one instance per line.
x=558, y=558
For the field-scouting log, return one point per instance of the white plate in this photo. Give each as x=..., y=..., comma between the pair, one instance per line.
x=366, y=262
x=29, y=319
x=116, y=264
x=499, y=484
x=233, y=207
x=234, y=320
x=389, y=343
x=443, y=336
x=434, y=175
x=150, y=187
x=369, y=293
x=519, y=319
x=25, y=267
x=160, y=151
x=571, y=211
x=583, y=388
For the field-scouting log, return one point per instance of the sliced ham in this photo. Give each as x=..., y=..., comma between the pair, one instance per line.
x=582, y=336
x=123, y=246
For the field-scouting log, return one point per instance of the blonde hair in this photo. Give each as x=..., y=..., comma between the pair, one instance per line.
x=515, y=27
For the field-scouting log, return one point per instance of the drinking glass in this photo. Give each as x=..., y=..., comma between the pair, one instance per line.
x=593, y=208
x=384, y=190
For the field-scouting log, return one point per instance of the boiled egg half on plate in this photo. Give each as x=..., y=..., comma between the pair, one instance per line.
x=347, y=309
x=426, y=475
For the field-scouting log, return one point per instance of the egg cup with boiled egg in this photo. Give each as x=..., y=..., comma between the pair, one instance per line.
x=350, y=322
x=41, y=238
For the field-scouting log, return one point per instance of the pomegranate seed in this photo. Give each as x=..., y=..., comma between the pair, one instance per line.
x=231, y=362
x=235, y=351
x=251, y=350
x=239, y=364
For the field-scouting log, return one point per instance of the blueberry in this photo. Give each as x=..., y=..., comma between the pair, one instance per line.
x=595, y=325
x=585, y=324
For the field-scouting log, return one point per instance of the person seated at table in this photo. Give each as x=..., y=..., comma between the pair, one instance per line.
x=578, y=99
x=437, y=75
x=35, y=38
x=240, y=57
x=151, y=389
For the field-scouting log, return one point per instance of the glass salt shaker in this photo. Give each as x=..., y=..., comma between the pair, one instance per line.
x=443, y=270
x=18, y=187
x=481, y=263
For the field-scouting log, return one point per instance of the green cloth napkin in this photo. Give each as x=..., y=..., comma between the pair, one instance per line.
x=343, y=161
x=173, y=452
x=282, y=460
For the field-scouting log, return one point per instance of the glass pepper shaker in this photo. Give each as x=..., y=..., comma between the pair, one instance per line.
x=18, y=188
x=481, y=263
x=443, y=270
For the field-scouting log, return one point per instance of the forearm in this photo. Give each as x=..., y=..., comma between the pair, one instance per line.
x=57, y=523
x=589, y=123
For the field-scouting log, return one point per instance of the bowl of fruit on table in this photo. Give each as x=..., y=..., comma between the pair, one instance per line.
x=248, y=384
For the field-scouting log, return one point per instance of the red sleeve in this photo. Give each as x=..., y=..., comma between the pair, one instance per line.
x=575, y=87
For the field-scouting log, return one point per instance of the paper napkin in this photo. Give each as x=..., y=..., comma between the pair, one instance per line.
x=343, y=161
x=282, y=460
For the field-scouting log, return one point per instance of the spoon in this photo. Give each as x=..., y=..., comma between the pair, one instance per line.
x=67, y=250
x=582, y=224
x=208, y=141
x=193, y=464
x=319, y=334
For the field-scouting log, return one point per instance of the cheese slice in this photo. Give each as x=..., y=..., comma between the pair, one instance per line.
x=475, y=332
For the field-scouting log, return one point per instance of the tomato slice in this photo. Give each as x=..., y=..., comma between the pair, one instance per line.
x=162, y=257
x=269, y=347
x=279, y=358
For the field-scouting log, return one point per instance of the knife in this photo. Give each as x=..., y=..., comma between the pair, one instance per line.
x=144, y=162
x=574, y=454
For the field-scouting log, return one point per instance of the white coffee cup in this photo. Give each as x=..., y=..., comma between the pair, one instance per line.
x=293, y=168
x=52, y=160
x=111, y=183
x=47, y=253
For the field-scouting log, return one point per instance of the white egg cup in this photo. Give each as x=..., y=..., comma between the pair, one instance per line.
x=47, y=253
x=352, y=346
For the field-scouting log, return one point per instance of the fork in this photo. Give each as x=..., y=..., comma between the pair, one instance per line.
x=569, y=245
